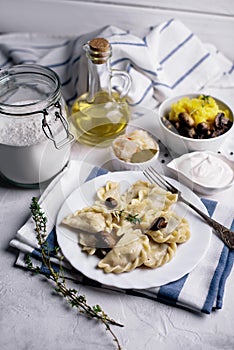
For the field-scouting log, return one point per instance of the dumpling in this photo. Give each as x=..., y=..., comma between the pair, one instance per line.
x=89, y=220
x=130, y=252
x=176, y=229
x=110, y=191
x=123, y=231
x=161, y=198
x=149, y=216
x=160, y=254
x=157, y=196
x=88, y=240
x=141, y=207
x=139, y=190
x=121, y=227
x=89, y=250
x=94, y=242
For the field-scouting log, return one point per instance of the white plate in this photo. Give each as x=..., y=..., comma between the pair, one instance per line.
x=188, y=255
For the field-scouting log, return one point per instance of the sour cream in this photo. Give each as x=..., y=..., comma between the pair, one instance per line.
x=204, y=168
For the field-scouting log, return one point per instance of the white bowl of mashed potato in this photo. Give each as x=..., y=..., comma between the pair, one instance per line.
x=195, y=122
x=135, y=150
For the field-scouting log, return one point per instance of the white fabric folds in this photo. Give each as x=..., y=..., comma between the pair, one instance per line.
x=169, y=60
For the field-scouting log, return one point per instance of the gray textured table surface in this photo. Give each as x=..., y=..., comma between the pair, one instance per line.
x=32, y=317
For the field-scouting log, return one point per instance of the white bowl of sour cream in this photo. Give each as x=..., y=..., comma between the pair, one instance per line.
x=205, y=172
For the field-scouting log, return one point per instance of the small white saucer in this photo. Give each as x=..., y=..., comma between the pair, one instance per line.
x=174, y=168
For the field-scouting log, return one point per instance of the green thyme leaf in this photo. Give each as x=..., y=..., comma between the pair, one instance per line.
x=205, y=99
x=134, y=219
x=97, y=308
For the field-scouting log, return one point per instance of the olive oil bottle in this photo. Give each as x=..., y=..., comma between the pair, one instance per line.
x=101, y=114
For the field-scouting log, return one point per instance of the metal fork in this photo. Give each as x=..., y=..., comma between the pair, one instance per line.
x=226, y=235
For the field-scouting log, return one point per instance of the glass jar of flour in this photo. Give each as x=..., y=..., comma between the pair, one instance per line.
x=35, y=140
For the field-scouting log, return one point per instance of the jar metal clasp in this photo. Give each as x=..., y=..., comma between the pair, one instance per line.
x=49, y=132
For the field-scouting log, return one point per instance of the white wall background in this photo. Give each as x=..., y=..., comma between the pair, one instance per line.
x=211, y=20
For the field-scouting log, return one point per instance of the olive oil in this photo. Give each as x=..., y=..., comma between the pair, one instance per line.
x=99, y=122
x=101, y=114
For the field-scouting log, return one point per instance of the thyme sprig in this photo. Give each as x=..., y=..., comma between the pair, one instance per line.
x=56, y=274
x=205, y=98
x=133, y=218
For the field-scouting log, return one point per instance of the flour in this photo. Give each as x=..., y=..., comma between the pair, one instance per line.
x=27, y=130
x=27, y=155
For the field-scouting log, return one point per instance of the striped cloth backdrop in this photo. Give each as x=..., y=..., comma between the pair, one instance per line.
x=169, y=60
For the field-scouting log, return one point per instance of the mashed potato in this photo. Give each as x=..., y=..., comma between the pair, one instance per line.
x=201, y=109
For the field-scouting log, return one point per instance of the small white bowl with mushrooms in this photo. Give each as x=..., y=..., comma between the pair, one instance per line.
x=195, y=122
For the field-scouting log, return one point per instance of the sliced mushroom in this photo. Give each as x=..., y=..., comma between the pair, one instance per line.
x=203, y=130
x=177, y=125
x=221, y=122
x=101, y=253
x=218, y=122
x=111, y=203
x=106, y=240
x=188, y=132
x=186, y=119
x=217, y=132
x=171, y=125
x=158, y=224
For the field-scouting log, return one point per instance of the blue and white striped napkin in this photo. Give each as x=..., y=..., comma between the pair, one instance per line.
x=169, y=60
x=201, y=290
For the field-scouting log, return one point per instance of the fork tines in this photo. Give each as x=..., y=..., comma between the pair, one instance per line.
x=154, y=177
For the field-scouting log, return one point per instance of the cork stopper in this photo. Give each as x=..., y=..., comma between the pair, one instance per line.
x=99, y=50
x=99, y=44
